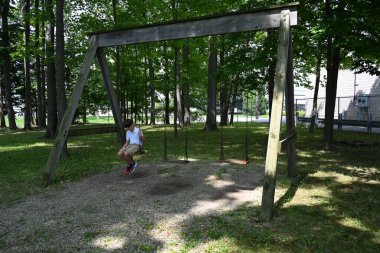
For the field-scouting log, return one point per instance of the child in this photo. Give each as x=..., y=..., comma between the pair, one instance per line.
x=133, y=144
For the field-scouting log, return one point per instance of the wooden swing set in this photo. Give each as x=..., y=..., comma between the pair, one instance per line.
x=281, y=16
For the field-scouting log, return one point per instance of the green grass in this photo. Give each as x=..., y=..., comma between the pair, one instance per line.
x=332, y=206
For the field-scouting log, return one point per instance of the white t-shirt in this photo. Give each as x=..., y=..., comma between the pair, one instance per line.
x=134, y=137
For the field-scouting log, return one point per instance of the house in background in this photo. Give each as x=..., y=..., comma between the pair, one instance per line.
x=357, y=97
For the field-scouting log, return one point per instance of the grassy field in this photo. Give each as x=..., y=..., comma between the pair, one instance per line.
x=332, y=205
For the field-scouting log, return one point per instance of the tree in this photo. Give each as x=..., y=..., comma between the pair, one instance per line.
x=223, y=89
x=166, y=88
x=118, y=70
x=6, y=60
x=316, y=89
x=50, y=71
x=41, y=122
x=186, y=85
x=211, y=91
x=2, y=118
x=346, y=30
x=152, y=93
x=60, y=67
x=28, y=85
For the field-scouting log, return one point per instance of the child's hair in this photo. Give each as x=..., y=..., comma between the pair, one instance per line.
x=128, y=123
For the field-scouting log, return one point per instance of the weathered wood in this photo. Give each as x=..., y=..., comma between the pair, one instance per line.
x=275, y=121
x=206, y=26
x=69, y=114
x=111, y=95
x=286, y=142
x=290, y=123
x=235, y=161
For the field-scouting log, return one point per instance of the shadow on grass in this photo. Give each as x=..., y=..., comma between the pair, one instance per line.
x=346, y=220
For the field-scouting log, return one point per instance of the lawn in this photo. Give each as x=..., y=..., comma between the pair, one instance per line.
x=331, y=206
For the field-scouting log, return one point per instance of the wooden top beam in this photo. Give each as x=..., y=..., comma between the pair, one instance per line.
x=256, y=19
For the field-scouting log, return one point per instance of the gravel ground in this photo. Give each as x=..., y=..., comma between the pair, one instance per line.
x=110, y=212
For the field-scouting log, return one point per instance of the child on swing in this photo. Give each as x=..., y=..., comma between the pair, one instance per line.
x=133, y=144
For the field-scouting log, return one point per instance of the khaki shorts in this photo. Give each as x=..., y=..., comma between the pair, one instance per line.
x=130, y=149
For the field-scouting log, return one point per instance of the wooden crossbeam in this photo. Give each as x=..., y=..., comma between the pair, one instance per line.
x=256, y=19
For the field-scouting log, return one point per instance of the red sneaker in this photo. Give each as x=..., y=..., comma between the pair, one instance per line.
x=127, y=171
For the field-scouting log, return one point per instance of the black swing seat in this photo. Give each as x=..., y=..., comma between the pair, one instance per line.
x=140, y=152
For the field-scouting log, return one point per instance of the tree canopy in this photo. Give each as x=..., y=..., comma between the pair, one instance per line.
x=248, y=58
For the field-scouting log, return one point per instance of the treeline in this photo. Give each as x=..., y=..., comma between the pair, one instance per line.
x=43, y=44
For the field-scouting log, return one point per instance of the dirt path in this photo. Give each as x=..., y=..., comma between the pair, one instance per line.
x=112, y=212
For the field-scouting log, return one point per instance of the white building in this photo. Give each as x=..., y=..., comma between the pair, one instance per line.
x=358, y=95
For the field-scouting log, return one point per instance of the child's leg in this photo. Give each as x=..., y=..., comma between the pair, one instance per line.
x=129, y=152
x=127, y=155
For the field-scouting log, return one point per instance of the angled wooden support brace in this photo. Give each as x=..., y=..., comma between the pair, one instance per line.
x=275, y=121
x=284, y=144
x=111, y=95
x=69, y=114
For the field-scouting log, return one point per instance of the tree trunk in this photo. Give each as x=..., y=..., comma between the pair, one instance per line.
x=178, y=91
x=40, y=116
x=146, y=69
x=50, y=69
x=60, y=68
x=6, y=66
x=135, y=107
x=332, y=67
x=223, y=90
x=211, y=91
x=271, y=77
x=233, y=104
x=43, y=72
x=174, y=5
x=257, y=110
x=2, y=114
x=316, y=89
x=2, y=118
x=176, y=74
x=123, y=85
x=28, y=85
x=167, y=98
x=186, y=86
x=331, y=87
x=152, y=93
x=118, y=73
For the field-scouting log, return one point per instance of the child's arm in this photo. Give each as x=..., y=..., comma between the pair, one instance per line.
x=126, y=143
x=141, y=136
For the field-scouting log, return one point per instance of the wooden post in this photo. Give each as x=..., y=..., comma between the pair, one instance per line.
x=275, y=121
x=290, y=124
x=111, y=95
x=69, y=114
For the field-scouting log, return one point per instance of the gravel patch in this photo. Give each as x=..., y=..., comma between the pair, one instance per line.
x=110, y=212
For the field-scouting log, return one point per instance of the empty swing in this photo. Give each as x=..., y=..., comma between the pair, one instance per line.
x=245, y=161
x=165, y=156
